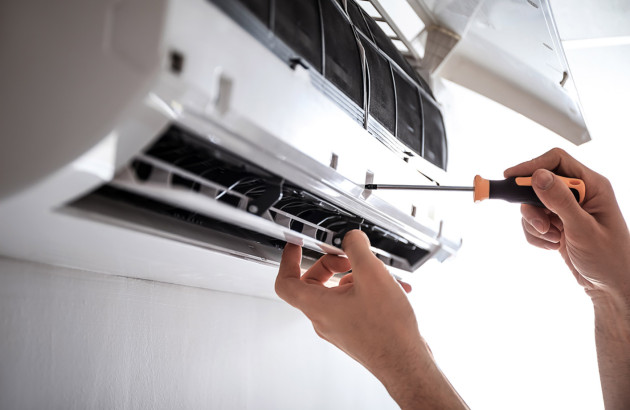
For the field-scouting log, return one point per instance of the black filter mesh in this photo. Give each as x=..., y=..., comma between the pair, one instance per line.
x=409, y=114
x=434, y=134
x=260, y=8
x=343, y=63
x=297, y=23
x=382, y=97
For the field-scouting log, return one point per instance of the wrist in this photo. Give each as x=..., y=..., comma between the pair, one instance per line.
x=612, y=314
x=610, y=296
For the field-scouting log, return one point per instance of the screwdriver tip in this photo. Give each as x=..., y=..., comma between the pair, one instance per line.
x=370, y=186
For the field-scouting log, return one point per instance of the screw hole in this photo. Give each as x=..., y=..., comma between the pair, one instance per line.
x=177, y=62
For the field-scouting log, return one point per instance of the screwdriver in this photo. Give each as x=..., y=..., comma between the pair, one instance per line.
x=514, y=189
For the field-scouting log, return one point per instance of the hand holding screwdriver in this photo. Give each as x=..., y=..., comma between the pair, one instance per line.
x=594, y=241
x=592, y=238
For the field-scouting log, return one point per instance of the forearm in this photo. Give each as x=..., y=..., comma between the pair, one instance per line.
x=418, y=383
x=612, y=337
x=433, y=391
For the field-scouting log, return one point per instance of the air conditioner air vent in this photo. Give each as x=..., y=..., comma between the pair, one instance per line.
x=186, y=178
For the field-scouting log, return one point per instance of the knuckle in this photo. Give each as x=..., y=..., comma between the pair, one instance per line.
x=524, y=209
x=565, y=201
x=536, y=242
x=319, y=331
x=530, y=213
x=558, y=152
x=527, y=227
x=530, y=239
x=605, y=183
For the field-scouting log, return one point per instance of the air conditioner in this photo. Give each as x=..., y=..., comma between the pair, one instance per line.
x=182, y=129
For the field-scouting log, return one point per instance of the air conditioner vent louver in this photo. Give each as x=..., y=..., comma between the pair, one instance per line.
x=183, y=177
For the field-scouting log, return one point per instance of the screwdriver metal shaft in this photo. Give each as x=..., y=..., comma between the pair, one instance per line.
x=421, y=187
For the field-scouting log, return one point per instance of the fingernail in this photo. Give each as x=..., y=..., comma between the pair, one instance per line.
x=544, y=179
x=538, y=224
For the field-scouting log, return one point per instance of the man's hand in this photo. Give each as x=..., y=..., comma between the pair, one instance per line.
x=595, y=243
x=369, y=317
x=593, y=239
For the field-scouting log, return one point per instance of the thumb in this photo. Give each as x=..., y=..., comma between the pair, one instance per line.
x=356, y=246
x=557, y=197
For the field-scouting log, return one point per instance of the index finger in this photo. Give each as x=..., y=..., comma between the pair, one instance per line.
x=555, y=160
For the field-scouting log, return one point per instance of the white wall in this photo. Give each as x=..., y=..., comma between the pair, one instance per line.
x=75, y=339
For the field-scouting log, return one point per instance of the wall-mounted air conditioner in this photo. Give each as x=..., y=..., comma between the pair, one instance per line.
x=233, y=127
x=161, y=137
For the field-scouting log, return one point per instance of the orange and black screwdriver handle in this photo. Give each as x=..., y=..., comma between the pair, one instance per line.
x=519, y=189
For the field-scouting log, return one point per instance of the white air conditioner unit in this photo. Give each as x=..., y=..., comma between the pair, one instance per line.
x=174, y=140
x=181, y=140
